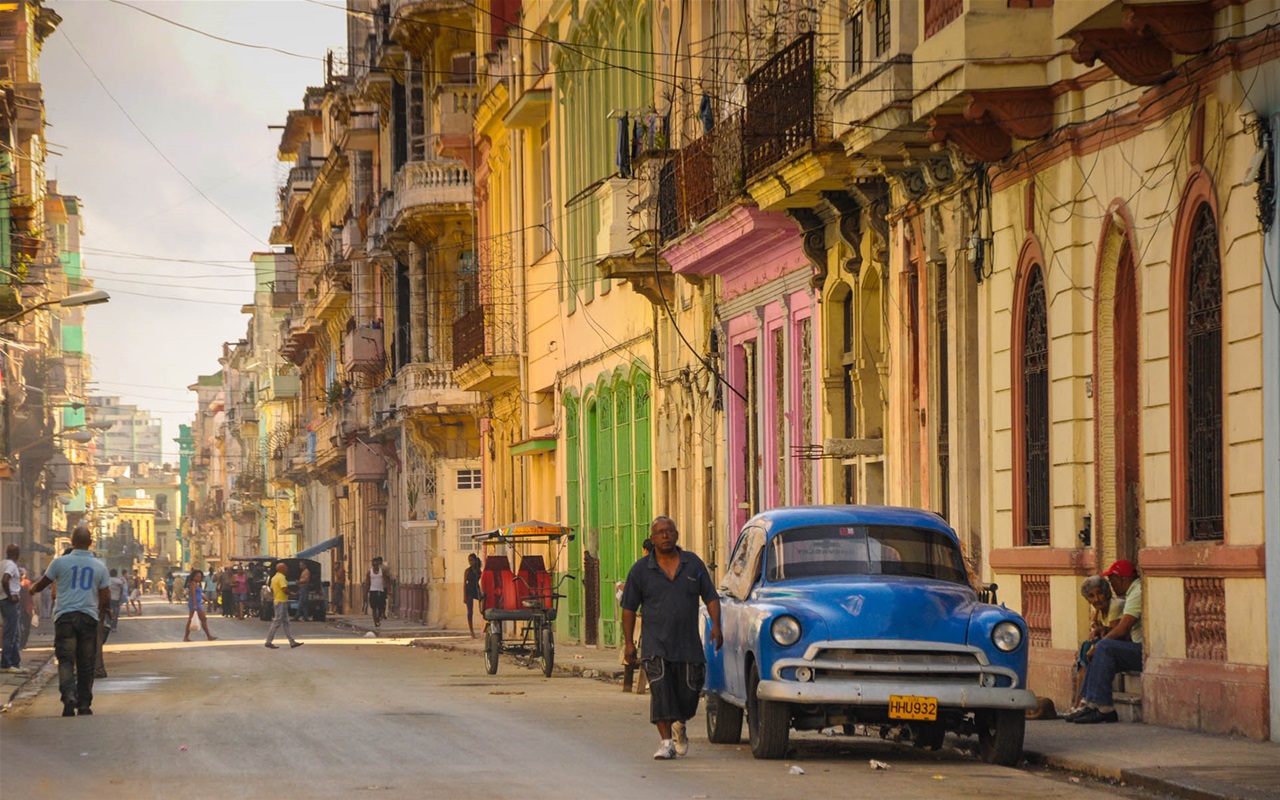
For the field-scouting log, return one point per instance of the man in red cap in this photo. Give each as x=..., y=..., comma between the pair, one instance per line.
x=1119, y=651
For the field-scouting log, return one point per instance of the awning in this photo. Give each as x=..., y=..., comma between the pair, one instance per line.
x=328, y=544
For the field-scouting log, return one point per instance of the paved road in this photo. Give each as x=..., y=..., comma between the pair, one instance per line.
x=351, y=717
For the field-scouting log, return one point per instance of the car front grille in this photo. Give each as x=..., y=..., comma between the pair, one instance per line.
x=884, y=661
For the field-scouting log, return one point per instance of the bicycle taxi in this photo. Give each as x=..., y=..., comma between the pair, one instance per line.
x=520, y=606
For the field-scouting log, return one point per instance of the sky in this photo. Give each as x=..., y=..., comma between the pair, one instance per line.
x=163, y=135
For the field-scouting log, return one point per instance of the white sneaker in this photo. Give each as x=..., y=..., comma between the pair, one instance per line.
x=666, y=751
x=680, y=738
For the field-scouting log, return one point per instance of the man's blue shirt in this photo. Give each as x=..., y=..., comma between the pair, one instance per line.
x=78, y=576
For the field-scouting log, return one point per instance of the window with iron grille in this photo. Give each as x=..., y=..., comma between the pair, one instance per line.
x=468, y=479
x=467, y=529
x=880, y=19
x=1035, y=410
x=1204, y=381
x=853, y=44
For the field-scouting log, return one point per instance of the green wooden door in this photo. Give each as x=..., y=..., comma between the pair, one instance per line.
x=571, y=623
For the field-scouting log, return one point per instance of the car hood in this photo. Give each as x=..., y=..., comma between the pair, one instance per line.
x=880, y=607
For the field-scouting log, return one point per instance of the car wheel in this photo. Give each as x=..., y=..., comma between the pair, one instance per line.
x=724, y=721
x=1000, y=735
x=492, y=647
x=547, y=652
x=768, y=723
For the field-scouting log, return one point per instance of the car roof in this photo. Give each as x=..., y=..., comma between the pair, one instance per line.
x=796, y=516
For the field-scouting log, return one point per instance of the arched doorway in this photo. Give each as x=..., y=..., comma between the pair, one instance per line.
x=1117, y=408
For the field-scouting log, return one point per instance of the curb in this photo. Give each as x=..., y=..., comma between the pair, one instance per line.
x=1167, y=780
x=33, y=684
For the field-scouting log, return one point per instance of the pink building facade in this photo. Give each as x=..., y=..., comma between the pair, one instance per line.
x=766, y=313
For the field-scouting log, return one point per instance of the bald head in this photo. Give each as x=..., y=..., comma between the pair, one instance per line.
x=282, y=568
x=12, y=552
x=81, y=537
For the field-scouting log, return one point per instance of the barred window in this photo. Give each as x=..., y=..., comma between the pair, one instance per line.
x=468, y=479
x=1204, y=381
x=1035, y=410
x=880, y=19
x=853, y=44
x=467, y=529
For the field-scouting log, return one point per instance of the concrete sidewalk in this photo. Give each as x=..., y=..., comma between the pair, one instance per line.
x=1179, y=763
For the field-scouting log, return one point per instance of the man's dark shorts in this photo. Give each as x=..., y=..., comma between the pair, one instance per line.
x=674, y=688
x=378, y=602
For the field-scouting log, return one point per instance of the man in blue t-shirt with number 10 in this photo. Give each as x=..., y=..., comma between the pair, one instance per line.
x=83, y=597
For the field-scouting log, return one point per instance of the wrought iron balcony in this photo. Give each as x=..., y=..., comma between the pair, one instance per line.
x=468, y=337
x=780, y=106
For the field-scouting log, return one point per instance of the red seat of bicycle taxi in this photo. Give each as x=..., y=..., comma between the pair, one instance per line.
x=535, y=581
x=498, y=583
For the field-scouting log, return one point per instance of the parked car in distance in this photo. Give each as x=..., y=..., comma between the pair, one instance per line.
x=847, y=615
x=318, y=603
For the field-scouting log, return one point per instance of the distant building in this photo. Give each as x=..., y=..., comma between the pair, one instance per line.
x=134, y=436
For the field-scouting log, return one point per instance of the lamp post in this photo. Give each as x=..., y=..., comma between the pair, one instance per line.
x=90, y=298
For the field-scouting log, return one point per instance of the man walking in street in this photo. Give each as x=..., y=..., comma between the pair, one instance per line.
x=377, y=581
x=304, y=592
x=10, y=596
x=119, y=591
x=337, y=586
x=83, y=598
x=1119, y=651
x=666, y=585
x=280, y=601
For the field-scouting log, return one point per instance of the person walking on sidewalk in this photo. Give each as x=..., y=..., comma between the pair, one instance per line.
x=377, y=582
x=10, y=597
x=1120, y=650
x=667, y=585
x=83, y=598
x=119, y=591
x=280, y=602
x=471, y=589
x=338, y=586
x=195, y=606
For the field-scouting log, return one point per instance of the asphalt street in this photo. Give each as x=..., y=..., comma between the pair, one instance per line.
x=346, y=716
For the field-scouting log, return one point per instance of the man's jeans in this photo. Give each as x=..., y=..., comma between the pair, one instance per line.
x=281, y=619
x=75, y=642
x=10, y=655
x=1110, y=658
x=115, y=614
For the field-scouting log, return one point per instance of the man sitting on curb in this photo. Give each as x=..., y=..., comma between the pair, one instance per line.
x=1112, y=654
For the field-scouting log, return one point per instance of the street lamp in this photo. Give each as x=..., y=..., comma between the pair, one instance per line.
x=90, y=298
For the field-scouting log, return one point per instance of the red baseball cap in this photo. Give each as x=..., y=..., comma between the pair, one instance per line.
x=1122, y=568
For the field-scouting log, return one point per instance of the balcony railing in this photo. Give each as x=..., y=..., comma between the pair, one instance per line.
x=780, y=106
x=432, y=183
x=468, y=337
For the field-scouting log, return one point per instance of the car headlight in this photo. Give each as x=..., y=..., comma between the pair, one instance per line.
x=1007, y=636
x=785, y=630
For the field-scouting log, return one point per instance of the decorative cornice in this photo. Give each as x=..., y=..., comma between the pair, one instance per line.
x=1135, y=59
x=1185, y=28
x=849, y=226
x=874, y=197
x=983, y=142
x=1021, y=113
x=813, y=242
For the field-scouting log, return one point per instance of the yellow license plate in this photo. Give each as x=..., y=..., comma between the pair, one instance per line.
x=908, y=706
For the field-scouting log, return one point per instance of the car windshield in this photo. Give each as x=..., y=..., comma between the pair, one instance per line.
x=833, y=550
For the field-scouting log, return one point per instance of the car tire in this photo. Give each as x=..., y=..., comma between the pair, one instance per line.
x=547, y=652
x=492, y=648
x=768, y=723
x=724, y=721
x=1000, y=735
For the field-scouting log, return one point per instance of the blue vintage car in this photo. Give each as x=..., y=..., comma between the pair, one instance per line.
x=846, y=615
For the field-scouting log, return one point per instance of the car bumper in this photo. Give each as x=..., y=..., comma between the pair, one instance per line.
x=866, y=693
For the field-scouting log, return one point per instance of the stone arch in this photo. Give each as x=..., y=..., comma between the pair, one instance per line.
x=1198, y=207
x=1030, y=289
x=1116, y=403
